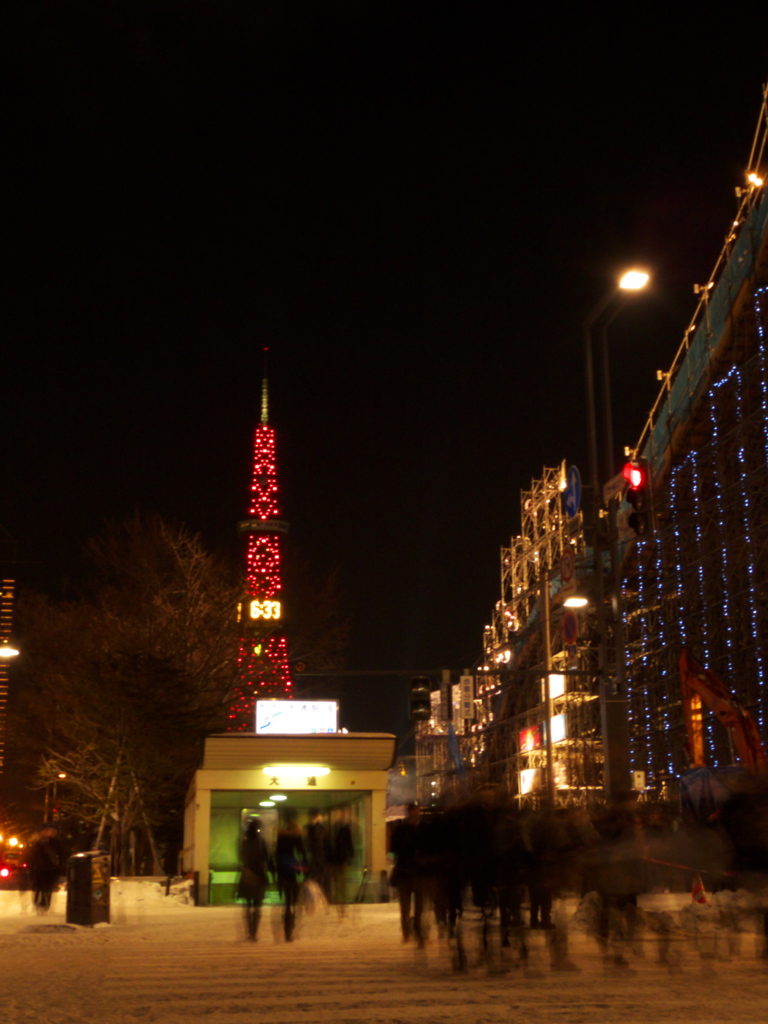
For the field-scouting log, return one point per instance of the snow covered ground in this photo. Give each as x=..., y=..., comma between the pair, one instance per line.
x=163, y=960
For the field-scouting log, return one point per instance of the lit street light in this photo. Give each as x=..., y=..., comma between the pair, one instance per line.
x=634, y=280
x=614, y=716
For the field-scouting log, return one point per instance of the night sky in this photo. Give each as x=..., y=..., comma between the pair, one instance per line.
x=413, y=205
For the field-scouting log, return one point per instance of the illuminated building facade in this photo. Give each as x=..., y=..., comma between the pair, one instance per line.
x=263, y=669
x=699, y=579
x=500, y=736
x=696, y=580
x=6, y=621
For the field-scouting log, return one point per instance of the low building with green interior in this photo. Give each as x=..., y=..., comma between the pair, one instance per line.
x=245, y=776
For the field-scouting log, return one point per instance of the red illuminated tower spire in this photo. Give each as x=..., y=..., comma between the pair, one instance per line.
x=263, y=659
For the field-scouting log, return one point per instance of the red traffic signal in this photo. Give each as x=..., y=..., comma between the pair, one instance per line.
x=638, y=495
x=635, y=475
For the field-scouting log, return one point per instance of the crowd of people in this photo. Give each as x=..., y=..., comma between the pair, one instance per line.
x=504, y=864
x=507, y=865
x=312, y=860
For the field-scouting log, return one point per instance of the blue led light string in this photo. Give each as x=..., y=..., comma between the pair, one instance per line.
x=696, y=488
x=761, y=335
x=682, y=616
x=764, y=375
x=677, y=556
x=661, y=652
x=726, y=562
x=637, y=754
x=746, y=512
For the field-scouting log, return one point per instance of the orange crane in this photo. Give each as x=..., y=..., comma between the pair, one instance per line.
x=700, y=686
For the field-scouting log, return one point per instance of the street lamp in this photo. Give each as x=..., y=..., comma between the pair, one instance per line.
x=634, y=280
x=614, y=718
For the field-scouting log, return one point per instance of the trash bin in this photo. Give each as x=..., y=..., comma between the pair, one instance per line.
x=88, y=888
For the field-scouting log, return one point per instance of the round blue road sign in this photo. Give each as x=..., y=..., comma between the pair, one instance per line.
x=570, y=627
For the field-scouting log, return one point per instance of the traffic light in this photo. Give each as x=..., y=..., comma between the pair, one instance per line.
x=421, y=703
x=639, y=497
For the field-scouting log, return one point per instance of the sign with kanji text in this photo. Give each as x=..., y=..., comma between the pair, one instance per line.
x=296, y=716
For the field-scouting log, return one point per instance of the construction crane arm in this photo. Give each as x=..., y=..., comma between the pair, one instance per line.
x=698, y=686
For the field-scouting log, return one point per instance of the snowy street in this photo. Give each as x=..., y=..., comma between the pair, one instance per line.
x=160, y=960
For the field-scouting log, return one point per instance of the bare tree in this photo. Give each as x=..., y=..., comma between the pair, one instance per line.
x=122, y=684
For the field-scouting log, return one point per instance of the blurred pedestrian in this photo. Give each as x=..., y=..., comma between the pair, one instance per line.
x=342, y=855
x=254, y=877
x=46, y=866
x=407, y=877
x=546, y=841
x=318, y=850
x=290, y=861
x=447, y=869
x=618, y=876
x=744, y=819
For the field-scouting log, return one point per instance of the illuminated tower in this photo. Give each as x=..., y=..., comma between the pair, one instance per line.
x=263, y=658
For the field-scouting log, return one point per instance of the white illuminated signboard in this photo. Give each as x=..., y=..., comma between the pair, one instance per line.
x=529, y=780
x=296, y=716
x=558, y=728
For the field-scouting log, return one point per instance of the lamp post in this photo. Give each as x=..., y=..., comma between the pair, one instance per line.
x=614, y=717
x=545, y=618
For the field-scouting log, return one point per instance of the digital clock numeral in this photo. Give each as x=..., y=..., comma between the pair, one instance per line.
x=265, y=609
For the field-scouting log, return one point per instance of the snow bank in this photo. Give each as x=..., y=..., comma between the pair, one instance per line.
x=130, y=892
x=130, y=899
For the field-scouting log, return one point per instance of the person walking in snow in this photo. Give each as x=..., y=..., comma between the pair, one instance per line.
x=318, y=849
x=46, y=866
x=254, y=877
x=290, y=861
x=407, y=876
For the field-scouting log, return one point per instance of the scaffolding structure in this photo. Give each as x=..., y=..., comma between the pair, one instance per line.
x=699, y=580
x=505, y=742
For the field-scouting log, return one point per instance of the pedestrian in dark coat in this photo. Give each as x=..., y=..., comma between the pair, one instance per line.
x=546, y=841
x=342, y=855
x=46, y=866
x=318, y=849
x=618, y=859
x=290, y=860
x=254, y=877
x=407, y=876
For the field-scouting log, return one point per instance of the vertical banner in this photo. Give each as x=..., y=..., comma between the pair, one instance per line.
x=467, y=684
x=456, y=717
x=446, y=696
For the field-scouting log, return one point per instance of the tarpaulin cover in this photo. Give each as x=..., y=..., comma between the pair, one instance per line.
x=705, y=790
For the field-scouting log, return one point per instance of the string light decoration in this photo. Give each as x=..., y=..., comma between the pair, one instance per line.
x=698, y=580
x=263, y=669
x=706, y=591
